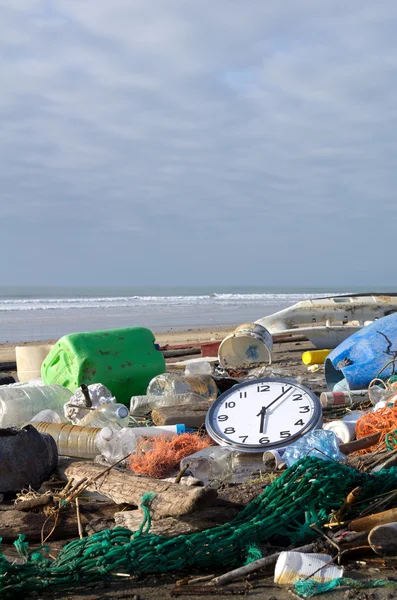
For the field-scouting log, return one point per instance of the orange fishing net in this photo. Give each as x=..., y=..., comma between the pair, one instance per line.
x=166, y=453
x=383, y=421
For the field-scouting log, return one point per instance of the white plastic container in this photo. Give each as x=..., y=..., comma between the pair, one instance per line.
x=29, y=360
x=345, y=429
x=293, y=566
x=22, y=403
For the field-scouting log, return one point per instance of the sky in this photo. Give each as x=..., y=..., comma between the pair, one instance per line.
x=198, y=142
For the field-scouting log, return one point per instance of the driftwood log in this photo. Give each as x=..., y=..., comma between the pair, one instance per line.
x=14, y=522
x=171, y=527
x=371, y=521
x=191, y=416
x=124, y=487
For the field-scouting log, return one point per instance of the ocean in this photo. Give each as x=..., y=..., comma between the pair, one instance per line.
x=43, y=313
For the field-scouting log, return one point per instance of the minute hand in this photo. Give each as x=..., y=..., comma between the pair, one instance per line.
x=278, y=398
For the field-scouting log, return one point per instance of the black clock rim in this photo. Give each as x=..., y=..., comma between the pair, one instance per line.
x=262, y=447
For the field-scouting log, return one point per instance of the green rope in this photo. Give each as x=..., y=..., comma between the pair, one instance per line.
x=306, y=493
x=309, y=588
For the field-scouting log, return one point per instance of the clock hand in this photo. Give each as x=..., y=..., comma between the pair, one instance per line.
x=278, y=398
x=262, y=414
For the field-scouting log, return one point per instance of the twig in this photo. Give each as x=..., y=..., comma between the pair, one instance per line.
x=181, y=474
x=261, y=563
x=79, y=519
x=329, y=539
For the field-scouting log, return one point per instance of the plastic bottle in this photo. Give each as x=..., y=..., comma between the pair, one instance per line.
x=107, y=415
x=21, y=404
x=169, y=384
x=319, y=442
x=211, y=465
x=115, y=445
x=199, y=367
x=143, y=405
x=46, y=416
x=72, y=440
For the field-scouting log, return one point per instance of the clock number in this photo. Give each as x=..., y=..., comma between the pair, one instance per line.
x=263, y=388
x=304, y=409
x=285, y=434
x=243, y=437
x=297, y=397
x=300, y=422
x=243, y=394
x=222, y=417
x=230, y=404
x=229, y=430
x=264, y=440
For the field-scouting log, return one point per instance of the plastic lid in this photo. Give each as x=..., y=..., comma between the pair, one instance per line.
x=180, y=428
x=122, y=412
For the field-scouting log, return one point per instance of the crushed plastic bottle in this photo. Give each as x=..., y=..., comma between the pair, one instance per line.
x=170, y=384
x=21, y=404
x=199, y=367
x=319, y=442
x=115, y=416
x=143, y=405
x=378, y=393
x=217, y=464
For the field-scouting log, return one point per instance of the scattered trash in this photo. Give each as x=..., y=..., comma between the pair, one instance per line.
x=361, y=357
x=249, y=344
x=296, y=456
x=30, y=359
x=84, y=399
x=345, y=428
x=313, y=357
x=91, y=357
x=27, y=458
x=19, y=404
x=112, y=415
x=320, y=443
x=166, y=454
x=293, y=566
x=332, y=400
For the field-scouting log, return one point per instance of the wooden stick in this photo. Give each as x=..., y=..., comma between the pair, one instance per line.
x=267, y=561
x=79, y=519
x=367, y=523
x=361, y=444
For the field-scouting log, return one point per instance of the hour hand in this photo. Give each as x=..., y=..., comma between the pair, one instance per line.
x=262, y=414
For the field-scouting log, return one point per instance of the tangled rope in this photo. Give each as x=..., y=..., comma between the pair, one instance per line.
x=305, y=494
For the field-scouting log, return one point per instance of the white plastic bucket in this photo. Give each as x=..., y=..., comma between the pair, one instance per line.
x=293, y=566
x=29, y=360
x=249, y=344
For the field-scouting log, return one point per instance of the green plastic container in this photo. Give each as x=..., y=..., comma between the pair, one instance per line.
x=124, y=360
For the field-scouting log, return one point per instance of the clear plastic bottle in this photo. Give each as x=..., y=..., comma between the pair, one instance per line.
x=143, y=405
x=213, y=465
x=319, y=443
x=199, y=367
x=46, y=416
x=21, y=404
x=111, y=415
x=115, y=445
x=72, y=440
x=170, y=384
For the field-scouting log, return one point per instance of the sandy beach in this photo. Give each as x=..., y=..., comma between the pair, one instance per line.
x=171, y=337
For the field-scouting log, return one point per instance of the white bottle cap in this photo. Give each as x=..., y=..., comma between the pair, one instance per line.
x=121, y=412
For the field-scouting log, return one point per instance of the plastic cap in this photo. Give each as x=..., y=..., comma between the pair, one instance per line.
x=122, y=412
x=106, y=433
x=180, y=428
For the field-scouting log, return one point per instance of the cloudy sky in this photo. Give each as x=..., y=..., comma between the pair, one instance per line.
x=192, y=142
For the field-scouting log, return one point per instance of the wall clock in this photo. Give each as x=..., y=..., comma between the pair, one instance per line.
x=264, y=414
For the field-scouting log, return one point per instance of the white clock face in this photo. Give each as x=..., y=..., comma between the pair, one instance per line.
x=263, y=413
